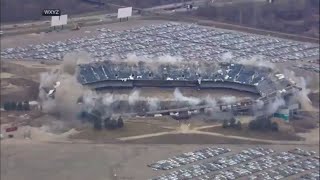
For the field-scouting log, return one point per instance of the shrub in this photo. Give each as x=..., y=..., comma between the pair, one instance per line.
x=106, y=122
x=120, y=122
x=238, y=125
x=26, y=106
x=6, y=106
x=19, y=106
x=225, y=124
x=274, y=126
x=111, y=124
x=97, y=125
x=252, y=125
x=232, y=122
x=13, y=106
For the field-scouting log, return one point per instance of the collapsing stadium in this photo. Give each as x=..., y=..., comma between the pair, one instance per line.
x=171, y=56
x=262, y=81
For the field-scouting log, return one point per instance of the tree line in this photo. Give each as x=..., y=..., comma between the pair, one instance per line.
x=16, y=106
x=263, y=123
x=99, y=122
x=260, y=123
x=232, y=123
x=109, y=123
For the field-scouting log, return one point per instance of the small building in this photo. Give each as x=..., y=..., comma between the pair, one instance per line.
x=286, y=113
x=282, y=114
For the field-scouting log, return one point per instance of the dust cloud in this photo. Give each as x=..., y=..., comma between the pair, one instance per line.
x=66, y=98
x=178, y=96
x=302, y=95
x=67, y=94
x=152, y=63
x=273, y=106
x=65, y=102
x=228, y=99
x=257, y=61
x=227, y=57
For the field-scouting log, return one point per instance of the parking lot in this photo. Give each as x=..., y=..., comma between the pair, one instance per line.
x=189, y=41
x=76, y=161
x=313, y=175
x=188, y=157
x=253, y=163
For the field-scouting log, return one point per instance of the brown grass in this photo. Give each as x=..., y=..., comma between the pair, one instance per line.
x=245, y=132
x=190, y=139
x=13, y=116
x=18, y=89
x=304, y=125
x=129, y=129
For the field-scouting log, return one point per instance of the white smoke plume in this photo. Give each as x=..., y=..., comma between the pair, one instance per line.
x=178, y=96
x=152, y=63
x=134, y=97
x=227, y=57
x=108, y=99
x=90, y=100
x=167, y=59
x=258, y=107
x=228, y=99
x=257, y=61
x=153, y=103
x=211, y=101
x=47, y=79
x=259, y=104
x=275, y=105
x=301, y=96
x=133, y=59
x=67, y=94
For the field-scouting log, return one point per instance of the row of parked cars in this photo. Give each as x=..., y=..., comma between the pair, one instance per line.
x=254, y=163
x=309, y=67
x=302, y=152
x=189, y=41
x=268, y=162
x=188, y=157
x=289, y=170
x=237, y=42
x=207, y=167
x=314, y=175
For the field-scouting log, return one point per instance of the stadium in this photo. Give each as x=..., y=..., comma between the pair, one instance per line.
x=174, y=55
x=174, y=99
x=261, y=81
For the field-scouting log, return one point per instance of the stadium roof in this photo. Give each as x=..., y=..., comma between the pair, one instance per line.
x=263, y=79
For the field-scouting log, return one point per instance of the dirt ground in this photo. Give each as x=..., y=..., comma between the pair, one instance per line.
x=25, y=69
x=312, y=136
x=18, y=89
x=20, y=79
x=19, y=116
x=130, y=129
